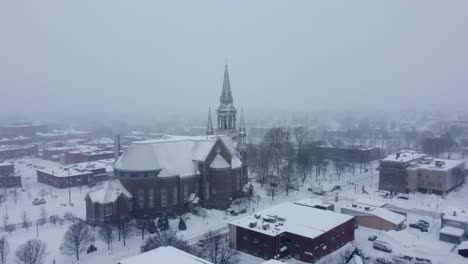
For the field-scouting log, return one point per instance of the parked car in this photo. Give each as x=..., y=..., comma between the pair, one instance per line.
x=336, y=188
x=422, y=261
x=318, y=190
x=423, y=223
x=383, y=261
x=381, y=245
x=420, y=226
x=36, y=201
x=372, y=238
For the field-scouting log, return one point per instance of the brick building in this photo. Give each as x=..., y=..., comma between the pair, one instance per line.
x=74, y=175
x=8, y=178
x=303, y=232
x=165, y=175
x=350, y=153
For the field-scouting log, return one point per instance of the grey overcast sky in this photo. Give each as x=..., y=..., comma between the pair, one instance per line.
x=147, y=56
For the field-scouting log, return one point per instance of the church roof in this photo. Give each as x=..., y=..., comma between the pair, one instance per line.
x=177, y=154
x=219, y=163
x=109, y=192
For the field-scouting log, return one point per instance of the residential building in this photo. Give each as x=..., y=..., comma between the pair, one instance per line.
x=25, y=129
x=305, y=233
x=411, y=171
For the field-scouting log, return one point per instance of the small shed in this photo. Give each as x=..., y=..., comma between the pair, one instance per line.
x=451, y=234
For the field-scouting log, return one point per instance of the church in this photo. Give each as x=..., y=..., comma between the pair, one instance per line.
x=172, y=174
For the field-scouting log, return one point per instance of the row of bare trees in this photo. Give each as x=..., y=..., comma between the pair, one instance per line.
x=214, y=248
x=286, y=158
x=31, y=252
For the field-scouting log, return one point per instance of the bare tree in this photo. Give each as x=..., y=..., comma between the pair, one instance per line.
x=126, y=229
x=77, y=239
x=304, y=163
x=288, y=176
x=31, y=252
x=217, y=249
x=301, y=135
x=42, y=193
x=42, y=216
x=106, y=234
x=276, y=139
x=4, y=250
x=165, y=238
x=264, y=164
x=26, y=222
x=339, y=167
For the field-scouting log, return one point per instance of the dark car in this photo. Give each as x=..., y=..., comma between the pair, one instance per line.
x=423, y=223
x=419, y=226
x=336, y=188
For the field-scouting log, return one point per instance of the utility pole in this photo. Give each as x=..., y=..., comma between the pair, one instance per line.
x=118, y=213
x=69, y=189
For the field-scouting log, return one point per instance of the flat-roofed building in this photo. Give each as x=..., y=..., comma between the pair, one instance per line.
x=303, y=232
x=411, y=171
x=8, y=178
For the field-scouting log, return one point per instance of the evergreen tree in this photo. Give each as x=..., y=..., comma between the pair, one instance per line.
x=182, y=225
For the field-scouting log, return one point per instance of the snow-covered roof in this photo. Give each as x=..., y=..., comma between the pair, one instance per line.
x=301, y=220
x=236, y=162
x=164, y=255
x=177, y=154
x=463, y=245
x=456, y=214
x=366, y=201
x=404, y=156
x=382, y=213
x=82, y=168
x=219, y=163
x=312, y=203
x=452, y=231
x=109, y=192
x=273, y=261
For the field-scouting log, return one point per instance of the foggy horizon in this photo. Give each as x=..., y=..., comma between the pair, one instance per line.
x=115, y=58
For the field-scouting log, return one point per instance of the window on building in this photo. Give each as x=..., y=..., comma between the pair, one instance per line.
x=213, y=190
x=175, y=197
x=141, y=198
x=108, y=210
x=151, y=198
x=207, y=191
x=130, y=205
x=163, y=196
x=196, y=189
x=185, y=192
x=238, y=182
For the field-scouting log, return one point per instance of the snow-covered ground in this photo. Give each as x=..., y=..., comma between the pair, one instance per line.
x=407, y=242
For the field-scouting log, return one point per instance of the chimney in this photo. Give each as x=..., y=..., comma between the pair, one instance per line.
x=116, y=147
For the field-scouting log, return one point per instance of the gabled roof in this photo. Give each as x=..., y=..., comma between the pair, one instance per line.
x=164, y=255
x=177, y=154
x=219, y=163
x=109, y=192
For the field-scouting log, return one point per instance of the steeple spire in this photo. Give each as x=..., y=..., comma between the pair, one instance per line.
x=209, y=125
x=226, y=94
x=242, y=123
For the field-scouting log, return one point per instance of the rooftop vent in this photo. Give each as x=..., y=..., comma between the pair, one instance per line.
x=252, y=224
x=266, y=226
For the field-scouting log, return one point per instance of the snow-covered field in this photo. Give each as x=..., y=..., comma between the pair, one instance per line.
x=409, y=242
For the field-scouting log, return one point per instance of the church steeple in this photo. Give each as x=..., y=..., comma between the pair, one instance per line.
x=242, y=136
x=209, y=125
x=226, y=110
x=226, y=94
